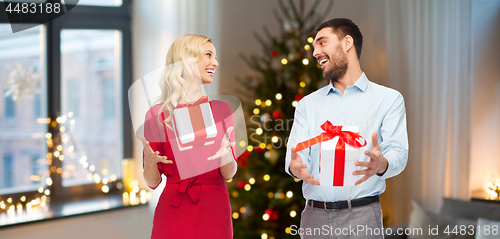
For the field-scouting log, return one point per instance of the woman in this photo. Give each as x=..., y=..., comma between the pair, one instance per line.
x=196, y=207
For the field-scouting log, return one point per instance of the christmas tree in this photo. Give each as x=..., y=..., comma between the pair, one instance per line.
x=265, y=200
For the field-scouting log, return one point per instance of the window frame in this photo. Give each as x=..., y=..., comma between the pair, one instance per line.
x=86, y=18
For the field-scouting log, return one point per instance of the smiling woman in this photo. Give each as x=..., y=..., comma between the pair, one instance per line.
x=189, y=139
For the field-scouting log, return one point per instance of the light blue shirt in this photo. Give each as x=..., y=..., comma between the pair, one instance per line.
x=369, y=106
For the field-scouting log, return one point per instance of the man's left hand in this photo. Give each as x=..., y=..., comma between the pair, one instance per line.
x=377, y=164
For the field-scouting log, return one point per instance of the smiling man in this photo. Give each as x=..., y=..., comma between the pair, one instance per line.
x=349, y=100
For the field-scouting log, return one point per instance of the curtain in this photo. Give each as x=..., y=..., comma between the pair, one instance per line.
x=429, y=61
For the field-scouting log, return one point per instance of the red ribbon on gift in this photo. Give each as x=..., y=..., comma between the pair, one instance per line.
x=345, y=137
x=198, y=125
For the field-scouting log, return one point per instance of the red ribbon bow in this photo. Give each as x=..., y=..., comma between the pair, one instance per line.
x=191, y=187
x=196, y=121
x=345, y=137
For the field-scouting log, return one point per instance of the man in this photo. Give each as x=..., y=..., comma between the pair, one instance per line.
x=349, y=100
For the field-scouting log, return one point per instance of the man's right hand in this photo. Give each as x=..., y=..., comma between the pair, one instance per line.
x=299, y=170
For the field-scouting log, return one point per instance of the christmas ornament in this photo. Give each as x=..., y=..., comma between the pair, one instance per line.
x=272, y=155
x=274, y=53
x=260, y=150
x=22, y=83
x=241, y=184
x=299, y=97
x=277, y=114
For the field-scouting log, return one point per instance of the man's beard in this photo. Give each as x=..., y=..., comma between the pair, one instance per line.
x=338, y=66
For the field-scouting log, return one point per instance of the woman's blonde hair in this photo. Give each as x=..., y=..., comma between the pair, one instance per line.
x=180, y=69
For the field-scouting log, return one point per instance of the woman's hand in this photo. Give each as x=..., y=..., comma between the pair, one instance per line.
x=225, y=146
x=151, y=157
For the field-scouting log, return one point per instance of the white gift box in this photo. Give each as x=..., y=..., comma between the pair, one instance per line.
x=194, y=126
x=327, y=162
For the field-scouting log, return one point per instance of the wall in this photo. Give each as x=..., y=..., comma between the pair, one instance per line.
x=241, y=19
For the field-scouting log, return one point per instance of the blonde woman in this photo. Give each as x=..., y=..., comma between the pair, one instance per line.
x=196, y=207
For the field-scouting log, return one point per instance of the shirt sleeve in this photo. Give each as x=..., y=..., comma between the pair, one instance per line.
x=394, y=137
x=299, y=133
x=154, y=137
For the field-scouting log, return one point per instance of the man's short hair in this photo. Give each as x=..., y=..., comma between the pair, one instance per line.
x=343, y=27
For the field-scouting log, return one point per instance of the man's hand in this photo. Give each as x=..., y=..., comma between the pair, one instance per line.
x=298, y=169
x=377, y=164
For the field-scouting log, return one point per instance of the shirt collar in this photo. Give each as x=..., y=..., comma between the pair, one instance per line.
x=361, y=84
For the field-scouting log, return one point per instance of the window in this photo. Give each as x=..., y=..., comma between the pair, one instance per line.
x=10, y=107
x=72, y=95
x=22, y=102
x=87, y=57
x=104, y=3
x=8, y=176
x=88, y=68
x=108, y=86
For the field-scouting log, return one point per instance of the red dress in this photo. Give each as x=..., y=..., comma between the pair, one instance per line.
x=197, y=207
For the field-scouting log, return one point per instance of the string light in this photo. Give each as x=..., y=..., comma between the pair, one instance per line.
x=247, y=187
x=294, y=103
x=251, y=181
x=259, y=131
x=48, y=181
x=305, y=61
x=243, y=143
x=310, y=39
x=258, y=102
x=256, y=111
x=235, y=215
x=302, y=84
x=266, y=177
x=249, y=148
x=279, y=96
x=243, y=209
x=268, y=102
x=289, y=194
x=293, y=214
x=307, y=47
x=284, y=61
x=274, y=139
x=265, y=217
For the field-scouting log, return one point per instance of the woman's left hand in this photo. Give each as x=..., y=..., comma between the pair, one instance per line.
x=225, y=145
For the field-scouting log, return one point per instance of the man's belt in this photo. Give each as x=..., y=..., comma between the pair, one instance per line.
x=343, y=204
